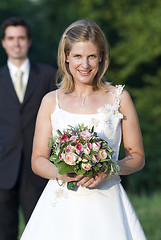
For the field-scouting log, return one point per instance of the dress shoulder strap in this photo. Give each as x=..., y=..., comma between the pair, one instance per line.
x=57, y=97
x=117, y=95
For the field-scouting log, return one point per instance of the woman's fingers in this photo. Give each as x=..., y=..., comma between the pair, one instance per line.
x=92, y=182
x=85, y=181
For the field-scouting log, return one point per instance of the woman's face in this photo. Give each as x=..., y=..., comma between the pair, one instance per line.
x=83, y=60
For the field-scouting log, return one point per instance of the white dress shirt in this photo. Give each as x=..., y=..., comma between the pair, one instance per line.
x=25, y=68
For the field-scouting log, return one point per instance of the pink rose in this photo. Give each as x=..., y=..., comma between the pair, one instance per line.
x=69, y=149
x=86, y=166
x=95, y=158
x=95, y=146
x=89, y=145
x=86, y=135
x=62, y=156
x=86, y=150
x=79, y=147
x=63, y=138
x=70, y=159
x=74, y=138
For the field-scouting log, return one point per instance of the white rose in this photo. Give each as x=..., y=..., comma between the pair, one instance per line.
x=70, y=159
x=102, y=154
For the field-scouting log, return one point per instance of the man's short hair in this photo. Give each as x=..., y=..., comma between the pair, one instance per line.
x=15, y=21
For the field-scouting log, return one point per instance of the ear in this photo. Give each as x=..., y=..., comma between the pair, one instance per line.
x=3, y=43
x=100, y=57
x=67, y=57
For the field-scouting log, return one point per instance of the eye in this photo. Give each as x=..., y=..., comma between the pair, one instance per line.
x=92, y=56
x=77, y=56
x=22, y=38
x=10, y=38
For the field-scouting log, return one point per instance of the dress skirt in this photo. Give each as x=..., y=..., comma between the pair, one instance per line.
x=103, y=213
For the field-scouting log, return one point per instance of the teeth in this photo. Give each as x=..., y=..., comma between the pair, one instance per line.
x=83, y=72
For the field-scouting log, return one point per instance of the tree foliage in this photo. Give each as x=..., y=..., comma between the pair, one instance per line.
x=132, y=28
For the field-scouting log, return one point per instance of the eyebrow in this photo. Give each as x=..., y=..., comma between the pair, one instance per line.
x=76, y=53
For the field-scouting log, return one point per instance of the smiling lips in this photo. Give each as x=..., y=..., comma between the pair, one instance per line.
x=84, y=73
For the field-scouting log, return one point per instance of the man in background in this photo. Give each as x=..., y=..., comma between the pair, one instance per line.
x=22, y=87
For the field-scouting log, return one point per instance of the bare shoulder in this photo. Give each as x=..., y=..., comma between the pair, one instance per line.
x=50, y=96
x=125, y=96
x=126, y=103
x=49, y=101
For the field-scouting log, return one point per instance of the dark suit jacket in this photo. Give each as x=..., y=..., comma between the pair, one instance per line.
x=17, y=122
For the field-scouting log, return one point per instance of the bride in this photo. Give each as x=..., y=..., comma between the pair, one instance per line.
x=99, y=207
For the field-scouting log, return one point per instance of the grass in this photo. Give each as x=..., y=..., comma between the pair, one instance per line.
x=148, y=210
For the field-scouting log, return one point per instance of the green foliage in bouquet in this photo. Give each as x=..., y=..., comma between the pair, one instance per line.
x=81, y=151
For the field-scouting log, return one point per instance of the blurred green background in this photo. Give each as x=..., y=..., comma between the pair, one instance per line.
x=133, y=29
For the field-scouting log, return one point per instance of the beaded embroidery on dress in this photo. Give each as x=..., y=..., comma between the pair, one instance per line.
x=103, y=212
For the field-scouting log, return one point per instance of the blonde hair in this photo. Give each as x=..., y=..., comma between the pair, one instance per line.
x=79, y=31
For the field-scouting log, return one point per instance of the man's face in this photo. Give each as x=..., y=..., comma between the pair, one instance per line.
x=16, y=43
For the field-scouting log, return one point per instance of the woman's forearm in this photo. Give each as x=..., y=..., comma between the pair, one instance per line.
x=131, y=164
x=44, y=168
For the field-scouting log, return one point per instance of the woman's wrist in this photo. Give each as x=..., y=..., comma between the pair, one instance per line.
x=119, y=167
x=59, y=181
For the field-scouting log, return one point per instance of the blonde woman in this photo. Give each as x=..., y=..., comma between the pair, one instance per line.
x=99, y=207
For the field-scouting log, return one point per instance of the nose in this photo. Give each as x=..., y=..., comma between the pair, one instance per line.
x=85, y=63
x=16, y=42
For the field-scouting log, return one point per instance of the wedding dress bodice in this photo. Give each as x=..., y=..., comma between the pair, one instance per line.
x=106, y=122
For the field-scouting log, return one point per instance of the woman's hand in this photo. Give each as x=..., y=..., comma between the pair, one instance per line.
x=70, y=177
x=92, y=182
x=83, y=180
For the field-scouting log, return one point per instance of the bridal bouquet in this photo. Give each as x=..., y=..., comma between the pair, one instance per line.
x=81, y=151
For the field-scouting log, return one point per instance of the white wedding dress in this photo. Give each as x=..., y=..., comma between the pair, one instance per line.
x=104, y=212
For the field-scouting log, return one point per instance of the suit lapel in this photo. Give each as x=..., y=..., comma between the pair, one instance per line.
x=6, y=80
